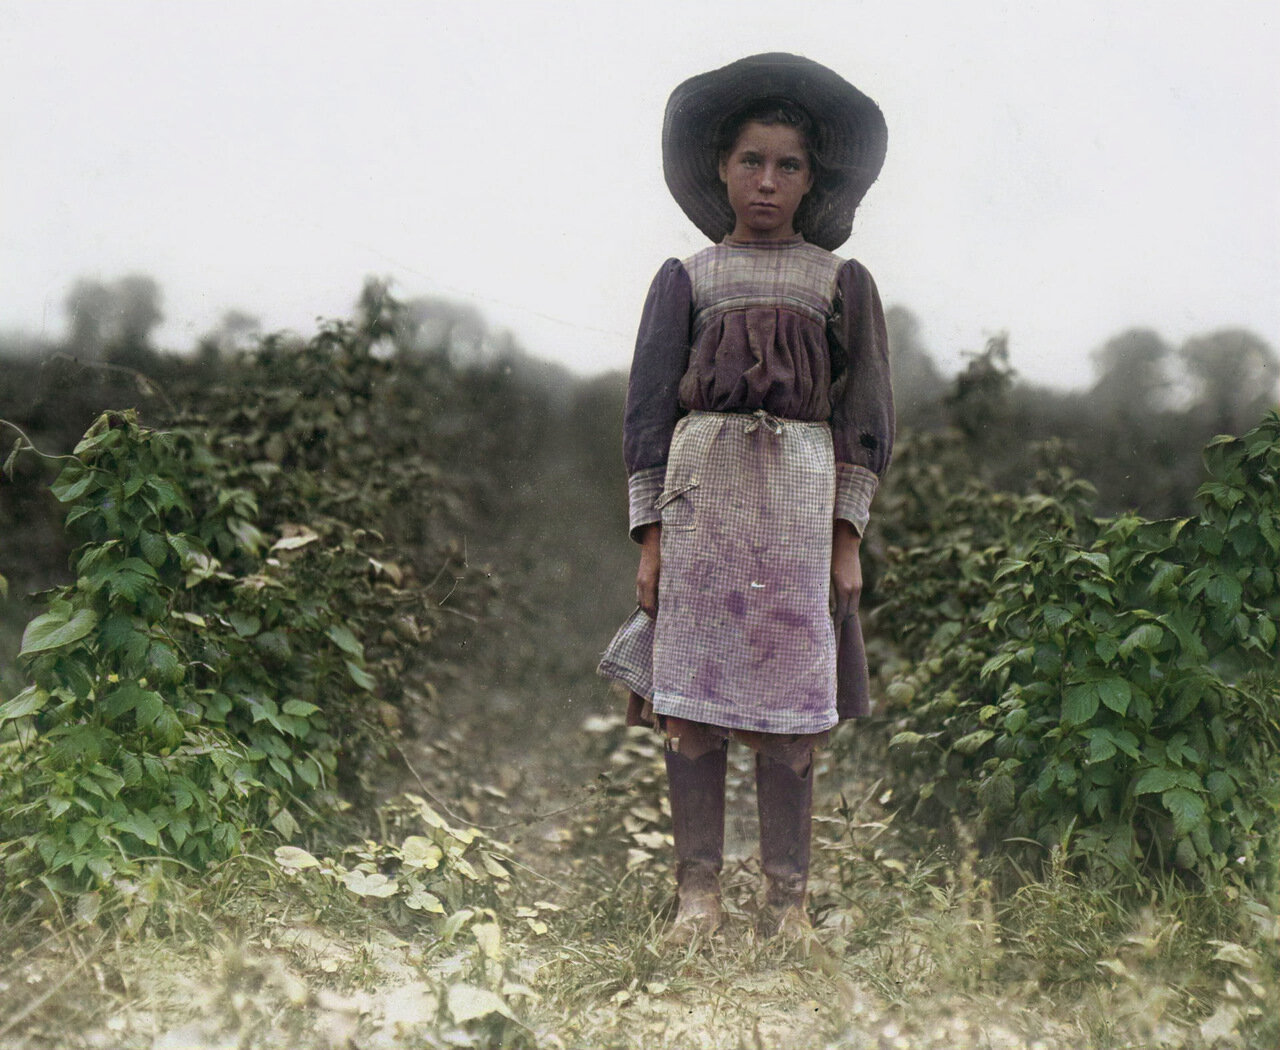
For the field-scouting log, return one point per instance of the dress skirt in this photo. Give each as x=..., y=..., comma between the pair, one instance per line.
x=744, y=637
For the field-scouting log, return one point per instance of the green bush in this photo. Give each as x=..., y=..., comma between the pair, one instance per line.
x=1109, y=684
x=238, y=626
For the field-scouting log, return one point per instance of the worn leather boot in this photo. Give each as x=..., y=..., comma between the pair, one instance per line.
x=784, y=799
x=696, y=787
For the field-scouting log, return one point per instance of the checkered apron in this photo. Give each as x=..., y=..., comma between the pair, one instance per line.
x=744, y=637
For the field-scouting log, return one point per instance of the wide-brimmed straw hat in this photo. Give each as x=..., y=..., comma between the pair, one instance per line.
x=850, y=128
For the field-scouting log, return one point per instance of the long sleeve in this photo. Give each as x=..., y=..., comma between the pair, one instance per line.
x=653, y=408
x=862, y=418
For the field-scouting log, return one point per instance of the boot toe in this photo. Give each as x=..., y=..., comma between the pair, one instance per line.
x=699, y=916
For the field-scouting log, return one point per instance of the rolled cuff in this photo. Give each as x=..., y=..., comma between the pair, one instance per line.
x=855, y=488
x=645, y=486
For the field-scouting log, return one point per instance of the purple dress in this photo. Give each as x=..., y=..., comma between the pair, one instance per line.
x=759, y=409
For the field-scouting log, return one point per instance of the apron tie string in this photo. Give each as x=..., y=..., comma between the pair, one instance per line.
x=760, y=418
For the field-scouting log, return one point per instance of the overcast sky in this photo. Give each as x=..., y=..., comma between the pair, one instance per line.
x=1062, y=171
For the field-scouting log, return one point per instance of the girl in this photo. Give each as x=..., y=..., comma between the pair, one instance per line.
x=759, y=421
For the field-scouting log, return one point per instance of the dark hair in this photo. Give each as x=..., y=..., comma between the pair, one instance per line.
x=772, y=112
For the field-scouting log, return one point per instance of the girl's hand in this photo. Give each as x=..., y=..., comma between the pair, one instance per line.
x=846, y=568
x=650, y=569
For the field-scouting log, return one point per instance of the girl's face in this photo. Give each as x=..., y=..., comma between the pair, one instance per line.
x=767, y=174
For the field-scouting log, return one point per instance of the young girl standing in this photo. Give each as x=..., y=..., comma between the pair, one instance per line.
x=759, y=421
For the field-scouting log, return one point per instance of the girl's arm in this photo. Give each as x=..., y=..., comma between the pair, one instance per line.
x=862, y=424
x=846, y=568
x=862, y=417
x=653, y=405
x=650, y=568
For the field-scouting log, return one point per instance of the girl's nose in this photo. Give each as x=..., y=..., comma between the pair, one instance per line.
x=767, y=175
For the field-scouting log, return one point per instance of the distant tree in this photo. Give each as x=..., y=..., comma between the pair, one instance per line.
x=89, y=308
x=114, y=320
x=979, y=402
x=234, y=332
x=1131, y=373
x=138, y=301
x=917, y=384
x=438, y=326
x=1235, y=375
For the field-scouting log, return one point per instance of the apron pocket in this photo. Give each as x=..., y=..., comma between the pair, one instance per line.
x=676, y=507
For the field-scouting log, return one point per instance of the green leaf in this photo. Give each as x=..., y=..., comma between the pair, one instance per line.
x=1188, y=809
x=154, y=548
x=1080, y=703
x=1154, y=781
x=1221, y=786
x=284, y=823
x=71, y=484
x=995, y=663
x=1056, y=617
x=27, y=702
x=1224, y=591
x=1115, y=693
x=165, y=663
x=122, y=699
x=1009, y=565
x=1182, y=622
x=361, y=677
x=1146, y=637
x=1106, y=647
x=244, y=624
x=299, y=708
x=345, y=640
x=1098, y=590
x=1102, y=744
x=111, y=781
x=141, y=826
x=167, y=728
x=969, y=744
x=53, y=630
x=148, y=708
x=274, y=646
x=130, y=769
x=307, y=770
x=166, y=493
x=98, y=436
x=186, y=548
x=263, y=710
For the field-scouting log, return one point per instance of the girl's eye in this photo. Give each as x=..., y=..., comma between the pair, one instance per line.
x=790, y=165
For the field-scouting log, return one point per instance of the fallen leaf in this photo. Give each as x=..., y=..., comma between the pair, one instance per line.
x=421, y=900
x=420, y=852
x=365, y=885
x=467, y=1002
x=294, y=858
x=489, y=937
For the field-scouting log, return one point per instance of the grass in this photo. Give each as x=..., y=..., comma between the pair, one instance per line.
x=918, y=946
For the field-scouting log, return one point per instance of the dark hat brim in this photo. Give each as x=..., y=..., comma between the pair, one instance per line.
x=850, y=126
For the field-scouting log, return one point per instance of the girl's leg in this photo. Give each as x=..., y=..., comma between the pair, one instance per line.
x=696, y=759
x=784, y=798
